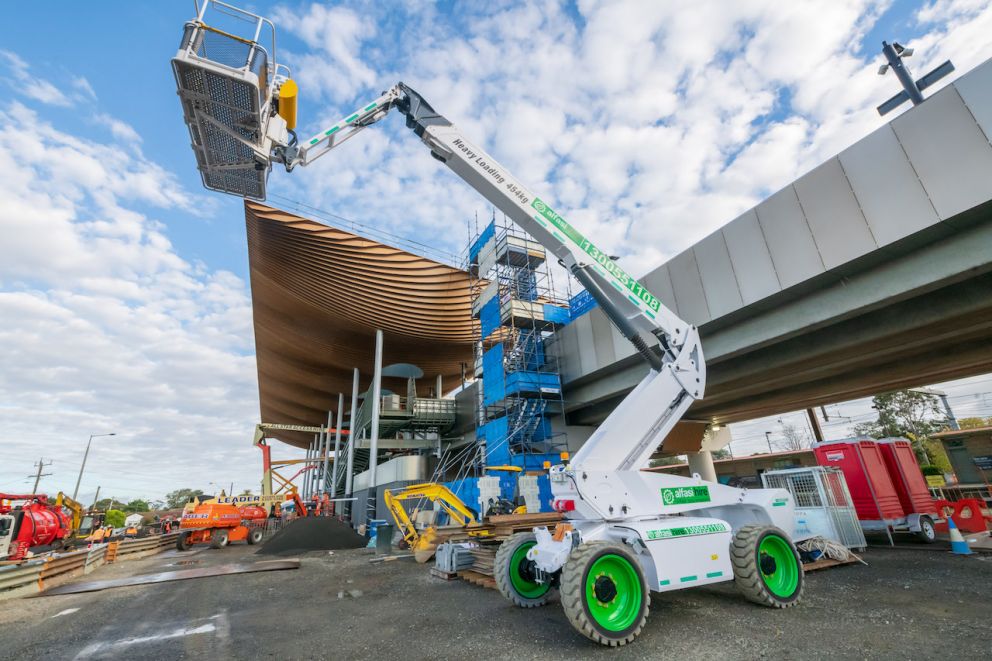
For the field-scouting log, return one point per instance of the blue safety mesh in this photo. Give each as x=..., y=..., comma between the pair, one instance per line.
x=489, y=317
x=476, y=246
x=493, y=379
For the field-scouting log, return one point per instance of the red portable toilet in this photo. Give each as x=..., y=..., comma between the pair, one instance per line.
x=875, y=496
x=907, y=477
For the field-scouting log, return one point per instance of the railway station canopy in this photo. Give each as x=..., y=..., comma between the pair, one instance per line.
x=318, y=295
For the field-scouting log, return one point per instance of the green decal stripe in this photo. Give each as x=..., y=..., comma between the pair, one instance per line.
x=314, y=141
x=664, y=582
x=642, y=295
x=687, y=579
x=558, y=236
x=714, y=574
x=352, y=118
x=332, y=130
x=778, y=503
x=370, y=107
x=705, y=529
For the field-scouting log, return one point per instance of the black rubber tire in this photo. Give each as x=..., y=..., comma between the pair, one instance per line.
x=573, y=594
x=255, y=536
x=218, y=538
x=927, y=533
x=502, y=569
x=182, y=542
x=747, y=574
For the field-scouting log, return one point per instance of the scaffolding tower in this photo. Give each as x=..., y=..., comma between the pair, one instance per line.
x=519, y=386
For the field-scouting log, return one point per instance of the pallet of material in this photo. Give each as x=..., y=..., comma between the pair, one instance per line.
x=444, y=575
x=476, y=578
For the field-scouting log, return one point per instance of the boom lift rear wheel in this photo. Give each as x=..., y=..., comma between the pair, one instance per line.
x=182, y=542
x=604, y=593
x=255, y=536
x=767, y=568
x=514, y=572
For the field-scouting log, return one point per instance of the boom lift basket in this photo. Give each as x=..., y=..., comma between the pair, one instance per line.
x=227, y=84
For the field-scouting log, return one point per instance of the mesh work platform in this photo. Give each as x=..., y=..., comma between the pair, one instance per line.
x=225, y=84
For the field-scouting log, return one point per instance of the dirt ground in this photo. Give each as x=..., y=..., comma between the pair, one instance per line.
x=908, y=604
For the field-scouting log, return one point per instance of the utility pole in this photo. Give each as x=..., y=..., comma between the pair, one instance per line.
x=768, y=439
x=815, y=424
x=97, y=498
x=37, y=477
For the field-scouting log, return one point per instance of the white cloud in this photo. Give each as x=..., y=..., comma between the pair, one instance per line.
x=31, y=86
x=650, y=123
x=106, y=328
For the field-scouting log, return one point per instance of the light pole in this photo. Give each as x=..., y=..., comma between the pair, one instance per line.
x=768, y=439
x=86, y=454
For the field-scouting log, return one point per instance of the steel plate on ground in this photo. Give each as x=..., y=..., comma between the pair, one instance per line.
x=181, y=575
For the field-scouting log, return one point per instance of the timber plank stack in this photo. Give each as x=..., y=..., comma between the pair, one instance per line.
x=497, y=528
x=489, y=534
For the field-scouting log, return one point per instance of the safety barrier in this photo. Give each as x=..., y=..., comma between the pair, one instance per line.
x=133, y=549
x=21, y=579
x=970, y=514
x=37, y=574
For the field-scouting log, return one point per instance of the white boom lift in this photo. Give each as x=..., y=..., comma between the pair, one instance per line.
x=627, y=531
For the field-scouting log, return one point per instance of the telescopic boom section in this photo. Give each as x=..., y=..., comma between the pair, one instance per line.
x=631, y=434
x=630, y=306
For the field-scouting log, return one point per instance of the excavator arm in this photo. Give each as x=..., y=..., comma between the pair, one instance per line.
x=423, y=544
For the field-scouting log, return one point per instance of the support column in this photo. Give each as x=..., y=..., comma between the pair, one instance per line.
x=337, y=444
x=352, y=437
x=702, y=462
x=815, y=424
x=305, y=477
x=327, y=451
x=376, y=405
x=437, y=388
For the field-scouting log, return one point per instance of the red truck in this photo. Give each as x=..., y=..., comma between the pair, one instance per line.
x=31, y=523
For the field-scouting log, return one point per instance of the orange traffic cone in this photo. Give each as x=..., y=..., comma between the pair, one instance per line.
x=958, y=545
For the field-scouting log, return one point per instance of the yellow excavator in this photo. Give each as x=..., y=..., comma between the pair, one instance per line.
x=83, y=522
x=424, y=543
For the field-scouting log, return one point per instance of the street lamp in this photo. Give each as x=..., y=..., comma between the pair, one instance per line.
x=85, y=455
x=768, y=439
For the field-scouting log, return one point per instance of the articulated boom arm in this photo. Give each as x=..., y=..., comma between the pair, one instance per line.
x=628, y=437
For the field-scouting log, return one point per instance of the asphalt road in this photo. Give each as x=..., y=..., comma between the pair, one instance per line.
x=909, y=604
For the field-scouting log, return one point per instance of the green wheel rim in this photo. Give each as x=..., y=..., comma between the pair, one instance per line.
x=525, y=587
x=620, y=612
x=783, y=580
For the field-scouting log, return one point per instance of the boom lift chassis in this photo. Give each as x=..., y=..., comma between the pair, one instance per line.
x=628, y=532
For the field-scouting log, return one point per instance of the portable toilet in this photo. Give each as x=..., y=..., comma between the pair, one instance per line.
x=911, y=486
x=873, y=493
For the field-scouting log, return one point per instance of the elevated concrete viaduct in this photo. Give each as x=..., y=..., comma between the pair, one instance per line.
x=870, y=273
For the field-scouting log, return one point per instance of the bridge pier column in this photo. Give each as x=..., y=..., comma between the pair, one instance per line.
x=702, y=462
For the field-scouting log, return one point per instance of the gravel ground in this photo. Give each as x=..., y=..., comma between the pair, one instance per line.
x=908, y=604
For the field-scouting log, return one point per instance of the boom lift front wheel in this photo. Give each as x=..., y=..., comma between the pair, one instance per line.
x=604, y=593
x=182, y=542
x=514, y=573
x=219, y=538
x=767, y=568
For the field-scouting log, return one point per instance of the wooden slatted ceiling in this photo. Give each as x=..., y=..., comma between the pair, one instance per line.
x=318, y=295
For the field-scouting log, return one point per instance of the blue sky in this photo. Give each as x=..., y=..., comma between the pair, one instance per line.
x=123, y=284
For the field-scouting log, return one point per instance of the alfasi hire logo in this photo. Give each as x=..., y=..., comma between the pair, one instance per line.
x=685, y=495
